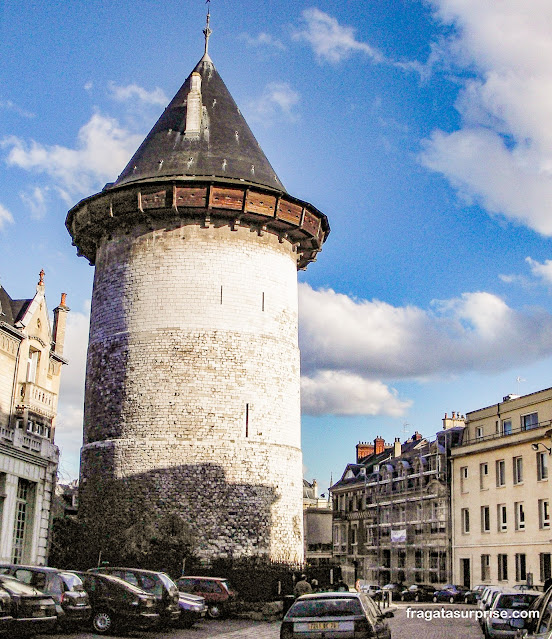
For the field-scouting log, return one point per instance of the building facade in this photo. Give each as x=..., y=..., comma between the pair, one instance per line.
x=392, y=510
x=317, y=525
x=501, y=493
x=31, y=358
x=192, y=384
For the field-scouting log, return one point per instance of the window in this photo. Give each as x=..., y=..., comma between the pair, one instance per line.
x=501, y=518
x=545, y=566
x=542, y=466
x=521, y=567
x=479, y=432
x=485, y=567
x=32, y=365
x=463, y=478
x=23, y=517
x=507, y=427
x=544, y=513
x=520, y=515
x=502, y=567
x=465, y=520
x=483, y=476
x=518, y=470
x=529, y=421
x=419, y=511
x=485, y=519
x=500, y=472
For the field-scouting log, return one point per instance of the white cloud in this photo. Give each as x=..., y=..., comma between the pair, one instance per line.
x=263, y=40
x=156, y=97
x=331, y=41
x=35, y=200
x=71, y=396
x=341, y=393
x=5, y=217
x=8, y=105
x=102, y=150
x=502, y=154
x=475, y=332
x=543, y=271
x=277, y=100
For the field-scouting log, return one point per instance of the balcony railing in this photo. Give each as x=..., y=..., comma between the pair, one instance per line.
x=468, y=441
x=37, y=399
x=29, y=442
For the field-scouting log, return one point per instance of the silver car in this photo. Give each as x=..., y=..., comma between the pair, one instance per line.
x=335, y=615
x=507, y=605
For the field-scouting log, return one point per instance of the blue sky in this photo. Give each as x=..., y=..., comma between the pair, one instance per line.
x=422, y=129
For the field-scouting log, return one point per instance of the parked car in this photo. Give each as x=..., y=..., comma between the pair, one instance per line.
x=537, y=620
x=192, y=609
x=418, y=592
x=367, y=588
x=117, y=604
x=392, y=590
x=158, y=584
x=65, y=588
x=507, y=603
x=6, y=619
x=218, y=593
x=474, y=595
x=333, y=615
x=487, y=598
x=450, y=593
x=32, y=610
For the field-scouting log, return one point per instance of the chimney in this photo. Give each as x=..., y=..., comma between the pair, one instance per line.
x=60, y=319
x=379, y=445
x=397, y=448
x=456, y=420
x=363, y=450
x=416, y=437
x=315, y=488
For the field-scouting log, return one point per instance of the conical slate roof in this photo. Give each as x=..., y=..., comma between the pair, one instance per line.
x=217, y=143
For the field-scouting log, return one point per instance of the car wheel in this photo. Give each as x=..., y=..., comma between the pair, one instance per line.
x=451, y=599
x=417, y=598
x=214, y=611
x=435, y=599
x=103, y=621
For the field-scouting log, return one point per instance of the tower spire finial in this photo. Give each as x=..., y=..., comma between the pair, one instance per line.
x=207, y=31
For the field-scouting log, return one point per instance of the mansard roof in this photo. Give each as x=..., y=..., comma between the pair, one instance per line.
x=11, y=311
x=201, y=134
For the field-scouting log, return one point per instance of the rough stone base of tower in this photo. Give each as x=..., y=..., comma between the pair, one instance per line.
x=228, y=515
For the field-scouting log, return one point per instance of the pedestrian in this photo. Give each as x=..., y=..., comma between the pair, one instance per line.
x=302, y=587
x=314, y=585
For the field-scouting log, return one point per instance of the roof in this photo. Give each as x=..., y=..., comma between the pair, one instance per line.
x=11, y=310
x=212, y=140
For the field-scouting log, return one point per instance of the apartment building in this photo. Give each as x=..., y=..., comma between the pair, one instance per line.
x=501, y=493
x=391, y=510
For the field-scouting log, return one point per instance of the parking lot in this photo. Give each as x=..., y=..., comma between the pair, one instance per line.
x=402, y=627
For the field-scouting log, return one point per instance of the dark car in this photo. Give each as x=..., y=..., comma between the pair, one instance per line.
x=6, y=619
x=474, y=595
x=65, y=588
x=218, y=593
x=418, y=592
x=389, y=591
x=333, y=615
x=32, y=610
x=158, y=584
x=117, y=604
x=450, y=593
x=192, y=609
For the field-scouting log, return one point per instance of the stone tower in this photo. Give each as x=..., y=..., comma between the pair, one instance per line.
x=192, y=384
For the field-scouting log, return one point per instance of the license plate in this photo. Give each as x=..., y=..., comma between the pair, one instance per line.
x=323, y=625
x=39, y=613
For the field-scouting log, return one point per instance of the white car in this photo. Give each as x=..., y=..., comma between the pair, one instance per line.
x=507, y=604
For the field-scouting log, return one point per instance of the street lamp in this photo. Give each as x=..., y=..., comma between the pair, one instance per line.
x=536, y=447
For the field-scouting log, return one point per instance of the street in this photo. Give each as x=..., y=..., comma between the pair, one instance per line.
x=402, y=627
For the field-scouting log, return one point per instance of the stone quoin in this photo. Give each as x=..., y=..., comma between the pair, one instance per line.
x=192, y=400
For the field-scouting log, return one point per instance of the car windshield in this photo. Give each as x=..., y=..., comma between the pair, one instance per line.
x=168, y=582
x=15, y=587
x=341, y=607
x=515, y=601
x=71, y=581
